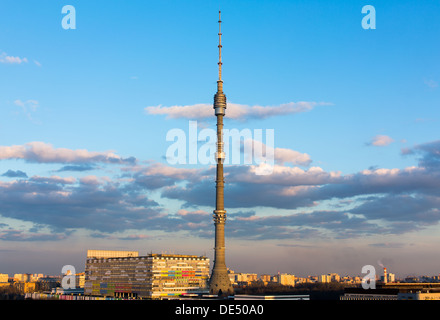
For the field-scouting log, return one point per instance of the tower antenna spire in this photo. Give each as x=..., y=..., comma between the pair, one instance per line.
x=219, y=46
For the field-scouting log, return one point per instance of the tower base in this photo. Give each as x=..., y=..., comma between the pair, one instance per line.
x=220, y=284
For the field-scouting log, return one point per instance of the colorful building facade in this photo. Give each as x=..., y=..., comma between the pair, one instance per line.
x=155, y=276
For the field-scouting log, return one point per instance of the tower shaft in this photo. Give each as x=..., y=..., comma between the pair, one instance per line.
x=219, y=282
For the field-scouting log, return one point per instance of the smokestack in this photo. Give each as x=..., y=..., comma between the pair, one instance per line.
x=385, y=278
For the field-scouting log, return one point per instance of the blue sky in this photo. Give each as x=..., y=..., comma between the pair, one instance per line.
x=84, y=115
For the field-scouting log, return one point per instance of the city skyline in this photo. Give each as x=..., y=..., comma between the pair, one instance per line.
x=378, y=274
x=84, y=115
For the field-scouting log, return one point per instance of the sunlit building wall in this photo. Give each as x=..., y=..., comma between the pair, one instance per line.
x=324, y=278
x=111, y=253
x=80, y=280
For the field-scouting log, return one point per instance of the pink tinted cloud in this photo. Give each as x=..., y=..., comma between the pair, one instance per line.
x=42, y=152
x=381, y=141
x=234, y=110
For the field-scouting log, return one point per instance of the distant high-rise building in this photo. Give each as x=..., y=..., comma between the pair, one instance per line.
x=219, y=282
x=245, y=278
x=4, y=277
x=334, y=277
x=391, y=277
x=265, y=278
x=36, y=276
x=286, y=279
x=324, y=278
x=387, y=276
x=23, y=277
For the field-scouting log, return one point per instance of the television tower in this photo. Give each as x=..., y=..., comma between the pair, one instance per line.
x=219, y=282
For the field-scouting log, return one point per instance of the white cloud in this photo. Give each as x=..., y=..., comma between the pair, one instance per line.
x=404, y=199
x=183, y=212
x=92, y=180
x=431, y=83
x=233, y=110
x=54, y=179
x=28, y=105
x=283, y=176
x=45, y=153
x=4, y=58
x=381, y=141
x=281, y=155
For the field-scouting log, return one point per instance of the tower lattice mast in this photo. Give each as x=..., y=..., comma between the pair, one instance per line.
x=219, y=282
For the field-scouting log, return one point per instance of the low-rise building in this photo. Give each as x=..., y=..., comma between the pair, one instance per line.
x=395, y=291
x=25, y=287
x=28, y=277
x=419, y=295
x=48, y=283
